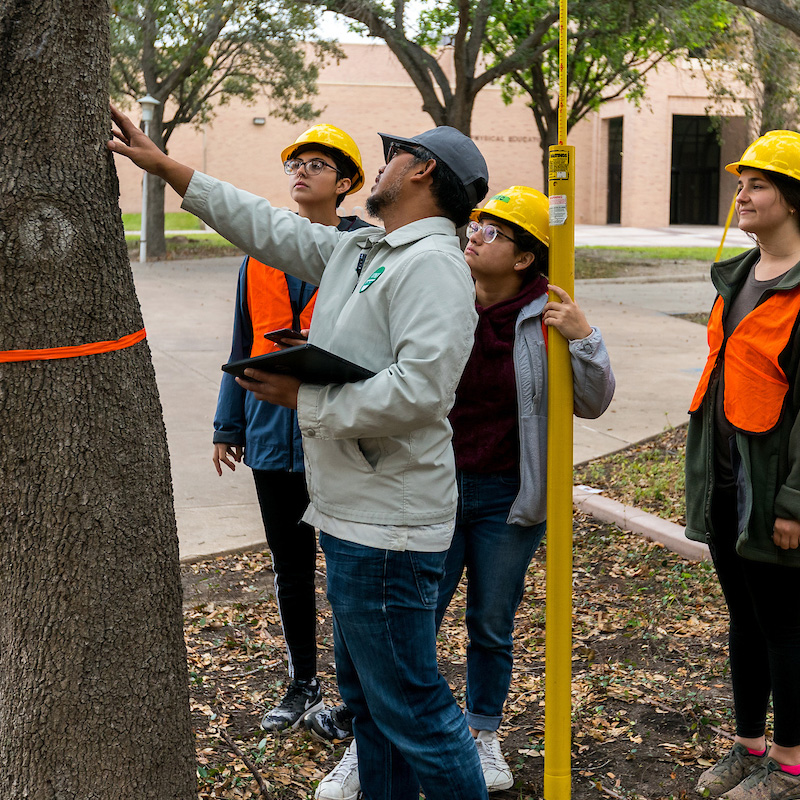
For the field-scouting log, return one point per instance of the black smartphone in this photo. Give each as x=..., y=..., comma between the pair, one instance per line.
x=283, y=333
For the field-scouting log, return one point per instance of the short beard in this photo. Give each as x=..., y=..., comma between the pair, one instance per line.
x=377, y=203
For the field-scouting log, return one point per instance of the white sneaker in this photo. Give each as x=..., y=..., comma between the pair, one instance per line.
x=496, y=772
x=342, y=782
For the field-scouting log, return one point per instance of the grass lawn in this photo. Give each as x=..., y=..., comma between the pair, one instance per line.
x=196, y=245
x=192, y=240
x=669, y=253
x=173, y=221
x=647, y=475
x=655, y=262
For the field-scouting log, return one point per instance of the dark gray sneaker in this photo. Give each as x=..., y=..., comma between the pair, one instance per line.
x=330, y=724
x=301, y=698
x=766, y=782
x=728, y=772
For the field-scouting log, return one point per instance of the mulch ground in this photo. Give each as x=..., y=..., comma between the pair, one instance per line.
x=651, y=696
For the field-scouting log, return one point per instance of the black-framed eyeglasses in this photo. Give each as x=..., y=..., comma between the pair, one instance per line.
x=488, y=232
x=400, y=147
x=313, y=166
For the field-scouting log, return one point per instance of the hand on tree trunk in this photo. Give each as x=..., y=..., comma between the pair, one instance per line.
x=130, y=141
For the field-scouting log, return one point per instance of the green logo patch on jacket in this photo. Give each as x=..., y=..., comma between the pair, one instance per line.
x=372, y=278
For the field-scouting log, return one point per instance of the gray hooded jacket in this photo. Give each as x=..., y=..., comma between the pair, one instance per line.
x=593, y=386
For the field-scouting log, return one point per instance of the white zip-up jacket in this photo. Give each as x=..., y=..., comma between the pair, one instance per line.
x=400, y=304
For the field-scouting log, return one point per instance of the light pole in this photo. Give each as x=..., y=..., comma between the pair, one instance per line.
x=148, y=104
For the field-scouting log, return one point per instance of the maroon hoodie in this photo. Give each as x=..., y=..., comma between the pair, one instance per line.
x=484, y=417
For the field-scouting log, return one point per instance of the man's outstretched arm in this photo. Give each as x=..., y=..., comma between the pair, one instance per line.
x=131, y=142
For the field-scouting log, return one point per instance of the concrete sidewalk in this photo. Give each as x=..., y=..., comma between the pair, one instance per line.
x=672, y=236
x=188, y=311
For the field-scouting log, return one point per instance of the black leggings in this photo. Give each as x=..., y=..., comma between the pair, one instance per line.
x=283, y=498
x=764, y=636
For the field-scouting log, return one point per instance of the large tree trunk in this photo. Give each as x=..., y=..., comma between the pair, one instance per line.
x=93, y=684
x=459, y=113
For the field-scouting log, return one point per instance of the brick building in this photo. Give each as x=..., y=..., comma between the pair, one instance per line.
x=645, y=167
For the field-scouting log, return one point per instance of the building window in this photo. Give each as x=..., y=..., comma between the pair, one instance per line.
x=694, y=185
x=614, y=197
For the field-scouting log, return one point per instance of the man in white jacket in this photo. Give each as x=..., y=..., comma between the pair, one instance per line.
x=379, y=463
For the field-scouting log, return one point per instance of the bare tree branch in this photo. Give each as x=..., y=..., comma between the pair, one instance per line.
x=262, y=784
x=783, y=13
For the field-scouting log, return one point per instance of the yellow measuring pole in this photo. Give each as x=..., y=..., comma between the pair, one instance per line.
x=558, y=632
x=718, y=256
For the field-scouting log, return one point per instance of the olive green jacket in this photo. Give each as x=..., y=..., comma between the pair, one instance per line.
x=767, y=466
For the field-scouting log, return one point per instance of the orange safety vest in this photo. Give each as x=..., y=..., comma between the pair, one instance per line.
x=270, y=305
x=755, y=384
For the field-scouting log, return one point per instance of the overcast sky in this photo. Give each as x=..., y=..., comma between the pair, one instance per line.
x=332, y=26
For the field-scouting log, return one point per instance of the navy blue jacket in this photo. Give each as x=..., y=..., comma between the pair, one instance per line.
x=269, y=433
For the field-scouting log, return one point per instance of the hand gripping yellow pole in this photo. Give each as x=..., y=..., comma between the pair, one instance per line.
x=558, y=632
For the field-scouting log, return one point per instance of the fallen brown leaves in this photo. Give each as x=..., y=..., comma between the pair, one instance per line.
x=651, y=701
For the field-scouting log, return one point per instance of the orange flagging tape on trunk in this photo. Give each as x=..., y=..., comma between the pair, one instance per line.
x=73, y=352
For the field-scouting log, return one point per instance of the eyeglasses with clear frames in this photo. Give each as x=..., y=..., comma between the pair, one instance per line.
x=312, y=167
x=488, y=232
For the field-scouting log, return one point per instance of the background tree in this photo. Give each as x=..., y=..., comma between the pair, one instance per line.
x=611, y=49
x=448, y=101
x=786, y=14
x=93, y=683
x=763, y=56
x=205, y=52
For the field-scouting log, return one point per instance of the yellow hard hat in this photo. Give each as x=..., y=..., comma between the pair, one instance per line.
x=776, y=151
x=522, y=206
x=335, y=139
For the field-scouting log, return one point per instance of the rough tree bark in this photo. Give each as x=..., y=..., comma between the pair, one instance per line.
x=93, y=684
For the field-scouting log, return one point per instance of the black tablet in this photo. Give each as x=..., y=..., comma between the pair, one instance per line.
x=307, y=362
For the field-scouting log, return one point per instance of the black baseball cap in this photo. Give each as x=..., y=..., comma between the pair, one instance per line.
x=455, y=150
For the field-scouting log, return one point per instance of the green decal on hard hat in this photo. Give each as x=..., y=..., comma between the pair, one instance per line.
x=522, y=206
x=372, y=278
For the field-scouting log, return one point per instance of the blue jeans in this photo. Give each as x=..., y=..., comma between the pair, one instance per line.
x=496, y=556
x=407, y=724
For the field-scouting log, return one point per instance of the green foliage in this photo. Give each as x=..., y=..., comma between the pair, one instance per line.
x=445, y=34
x=611, y=48
x=201, y=53
x=762, y=56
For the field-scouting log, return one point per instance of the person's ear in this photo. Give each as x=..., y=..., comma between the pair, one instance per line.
x=524, y=260
x=343, y=185
x=423, y=170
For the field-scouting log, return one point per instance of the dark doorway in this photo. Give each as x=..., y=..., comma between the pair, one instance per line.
x=694, y=190
x=614, y=200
